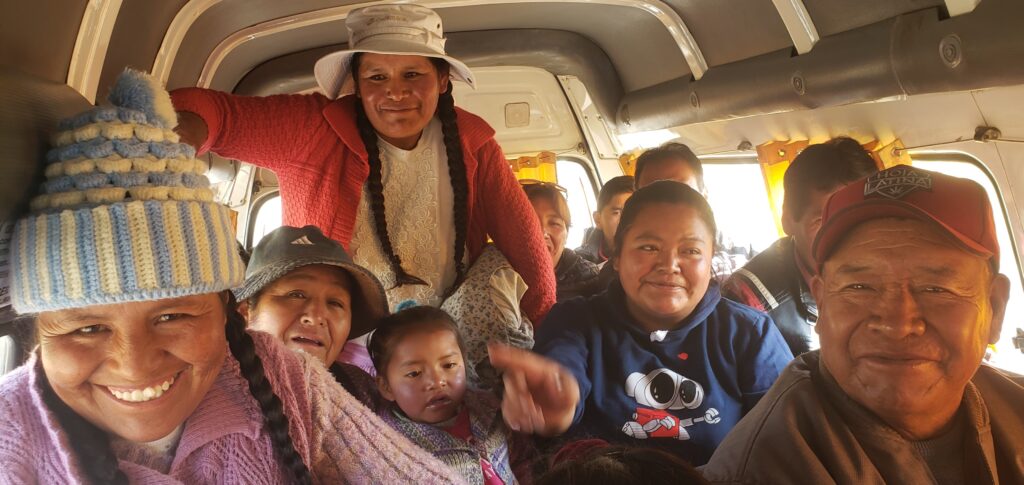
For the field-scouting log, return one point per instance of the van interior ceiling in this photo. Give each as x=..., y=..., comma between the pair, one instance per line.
x=723, y=77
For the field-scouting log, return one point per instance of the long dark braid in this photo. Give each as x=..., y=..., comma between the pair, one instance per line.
x=244, y=351
x=90, y=444
x=456, y=171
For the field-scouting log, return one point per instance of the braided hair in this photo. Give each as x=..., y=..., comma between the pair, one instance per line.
x=91, y=445
x=456, y=171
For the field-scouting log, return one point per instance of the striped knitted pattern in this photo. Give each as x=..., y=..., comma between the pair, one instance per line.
x=125, y=214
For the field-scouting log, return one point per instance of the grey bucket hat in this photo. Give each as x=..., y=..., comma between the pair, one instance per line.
x=287, y=248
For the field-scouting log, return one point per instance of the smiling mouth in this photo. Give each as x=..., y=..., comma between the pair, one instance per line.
x=898, y=360
x=665, y=286
x=143, y=394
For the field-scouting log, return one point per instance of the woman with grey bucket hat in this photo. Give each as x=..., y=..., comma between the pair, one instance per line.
x=393, y=171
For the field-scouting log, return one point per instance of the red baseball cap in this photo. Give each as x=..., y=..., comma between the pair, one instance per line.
x=959, y=207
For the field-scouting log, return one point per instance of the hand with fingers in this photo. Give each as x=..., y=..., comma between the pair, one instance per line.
x=540, y=395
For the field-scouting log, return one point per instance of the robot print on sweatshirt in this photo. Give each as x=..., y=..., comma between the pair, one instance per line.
x=657, y=392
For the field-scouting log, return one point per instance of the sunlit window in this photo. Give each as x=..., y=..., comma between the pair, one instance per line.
x=581, y=197
x=1004, y=354
x=739, y=200
x=268, y=218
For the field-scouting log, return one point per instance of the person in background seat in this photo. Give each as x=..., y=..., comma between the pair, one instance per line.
x=910, y=295
x=614, y=194
x=575, y=275
x=777, y=281
x=671, y=161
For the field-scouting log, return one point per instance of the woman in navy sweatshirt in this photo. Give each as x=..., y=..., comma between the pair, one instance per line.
x=661, y=358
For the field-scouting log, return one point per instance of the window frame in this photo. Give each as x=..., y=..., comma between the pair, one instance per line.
x=257, y=204
x=964, y=157
x=587, y=166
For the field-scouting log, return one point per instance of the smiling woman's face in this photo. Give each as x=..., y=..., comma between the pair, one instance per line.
x=399, y=95
x=665, y=264
x=136, y=370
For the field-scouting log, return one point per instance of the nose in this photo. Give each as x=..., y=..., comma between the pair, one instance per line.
x=395, y=89
x=668, y=261
x=136, y=355
x=314, y=313
x=899, y=314
x=436, y=380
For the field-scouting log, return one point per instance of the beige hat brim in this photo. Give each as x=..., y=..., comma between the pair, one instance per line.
x=332, y=70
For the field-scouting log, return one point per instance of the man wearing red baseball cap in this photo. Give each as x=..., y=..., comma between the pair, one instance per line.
x=909, y=296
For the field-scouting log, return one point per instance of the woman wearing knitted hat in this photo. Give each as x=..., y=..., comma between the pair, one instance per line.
x=394, y=172
x=144, y=372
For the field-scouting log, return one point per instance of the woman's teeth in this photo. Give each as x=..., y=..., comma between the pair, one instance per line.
x=145, y=394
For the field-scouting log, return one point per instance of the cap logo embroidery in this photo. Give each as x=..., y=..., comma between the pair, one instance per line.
x=896, y=182
x=303, y=241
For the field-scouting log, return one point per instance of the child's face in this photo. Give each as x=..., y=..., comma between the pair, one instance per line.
x=425, y=376
x=309, y=309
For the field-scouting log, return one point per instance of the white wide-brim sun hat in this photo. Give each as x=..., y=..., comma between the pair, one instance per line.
x=401, y=29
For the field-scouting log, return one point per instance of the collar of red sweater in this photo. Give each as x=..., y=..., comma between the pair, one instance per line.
x=341, y=115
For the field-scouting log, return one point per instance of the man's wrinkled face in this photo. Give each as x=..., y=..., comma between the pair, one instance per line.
x=905, y=316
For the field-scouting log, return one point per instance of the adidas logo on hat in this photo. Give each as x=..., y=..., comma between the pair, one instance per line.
x=303, y=241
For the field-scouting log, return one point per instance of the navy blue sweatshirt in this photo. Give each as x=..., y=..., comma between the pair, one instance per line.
x=682, y=393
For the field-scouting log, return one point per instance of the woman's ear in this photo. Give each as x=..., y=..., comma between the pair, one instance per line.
x=384, y=388
x=243, y=309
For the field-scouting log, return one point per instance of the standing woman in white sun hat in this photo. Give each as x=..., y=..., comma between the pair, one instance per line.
x=409, y=183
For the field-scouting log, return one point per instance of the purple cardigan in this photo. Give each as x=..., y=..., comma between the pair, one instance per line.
x=224, y=440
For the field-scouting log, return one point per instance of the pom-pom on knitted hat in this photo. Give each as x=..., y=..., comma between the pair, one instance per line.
x=125, y=214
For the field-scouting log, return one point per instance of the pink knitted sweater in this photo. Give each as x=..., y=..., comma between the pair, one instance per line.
x=224, y=440
x=313, y=146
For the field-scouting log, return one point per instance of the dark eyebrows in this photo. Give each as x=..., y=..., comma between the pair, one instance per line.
x=851, y=269
x=939, y=271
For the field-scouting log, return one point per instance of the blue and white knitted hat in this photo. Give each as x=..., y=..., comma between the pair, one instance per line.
x=125, y=214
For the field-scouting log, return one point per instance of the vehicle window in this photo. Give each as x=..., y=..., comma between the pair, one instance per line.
x=8, y=354
x=579, y=186
x=739, y=199
x=266, y=217
x=1003, y=354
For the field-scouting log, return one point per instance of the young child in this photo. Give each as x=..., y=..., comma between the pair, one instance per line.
x=418, y=354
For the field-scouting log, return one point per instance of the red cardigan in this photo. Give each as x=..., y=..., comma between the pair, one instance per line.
x=313, y=146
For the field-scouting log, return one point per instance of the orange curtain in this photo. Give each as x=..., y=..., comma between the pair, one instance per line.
x=775, y=157
x=539, y=167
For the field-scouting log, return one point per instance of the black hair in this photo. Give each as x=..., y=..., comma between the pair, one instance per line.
x=619, y=185
x=391, y=328
x=623, y=465
x=824, y=167
x=554, y=196
x=668, y=152
x=456, y=171
x=91, y=445
x=664, y=192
